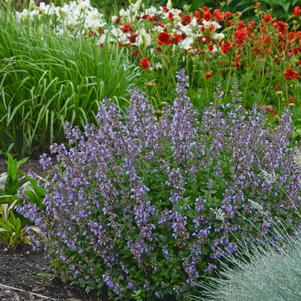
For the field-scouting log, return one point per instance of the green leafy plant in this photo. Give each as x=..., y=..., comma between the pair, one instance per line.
x=10, y=181
x=48, y=79
x=141, y=206
x=12, y=227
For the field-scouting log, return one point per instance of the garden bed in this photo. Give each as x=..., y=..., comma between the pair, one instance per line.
x=25, y=275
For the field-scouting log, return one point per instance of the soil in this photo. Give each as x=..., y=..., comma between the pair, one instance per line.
x=25, y=276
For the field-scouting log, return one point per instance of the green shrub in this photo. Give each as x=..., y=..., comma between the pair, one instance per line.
x=144, y=206
x=13, y=226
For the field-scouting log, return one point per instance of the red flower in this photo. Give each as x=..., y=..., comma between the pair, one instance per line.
x=239, y=37
x=297, y=11
x=227, y=14
x=132, y=37
x=281, y=26
x=197, y=14
x=291, y=100
x=91, y=34
x=290, y=74
x=277, y=87
x=218, y=15
x=208, y=74
x=144, y=63
x=226, y=47
x=171, y=17
x=267, y=18
x=228, y=23
x=176, y=38
x=210, y=47
x=236, y=60
x=164, y=38
x=241, y=25
x=147, y=17
x=118, y=20
x=291, y=35
x=127, y=27
x=251, y=23
x=269, y=109
x=207, y=16
x=186, y=20
x=135, y=52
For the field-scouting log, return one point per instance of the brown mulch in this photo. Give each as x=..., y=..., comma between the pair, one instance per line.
x=26, y=276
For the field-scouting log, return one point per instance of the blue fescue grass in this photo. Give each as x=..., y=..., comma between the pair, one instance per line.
x=258, y=272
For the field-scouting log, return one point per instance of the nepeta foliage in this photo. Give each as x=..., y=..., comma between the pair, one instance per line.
x=141, y=202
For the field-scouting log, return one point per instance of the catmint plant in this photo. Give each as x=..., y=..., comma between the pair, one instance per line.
x=147, y=203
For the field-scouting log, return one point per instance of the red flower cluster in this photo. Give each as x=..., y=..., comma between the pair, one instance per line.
x=290, y=74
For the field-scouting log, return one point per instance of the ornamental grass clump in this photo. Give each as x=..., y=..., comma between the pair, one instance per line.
x=146, y=203
x=259, y=272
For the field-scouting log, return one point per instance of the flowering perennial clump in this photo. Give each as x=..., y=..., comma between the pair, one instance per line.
x=148, y=31
x=148, y=203
x=263, y=52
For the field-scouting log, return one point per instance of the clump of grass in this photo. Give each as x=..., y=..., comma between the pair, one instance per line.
x=259, y=272
x=48, y=79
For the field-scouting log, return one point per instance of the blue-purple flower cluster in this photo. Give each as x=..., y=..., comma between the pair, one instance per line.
x=151, y=203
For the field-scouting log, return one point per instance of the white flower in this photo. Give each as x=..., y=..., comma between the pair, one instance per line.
x=158, y=66
x=186, y=43
x=124, y=13
x=219, y=215
x=136, y=6
x=102, y=39
x=150, y=11
x=114, y=19
x=84, y=5
x=34, y=14
x=143, y=38
x=210, y=24
x=218, y=36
